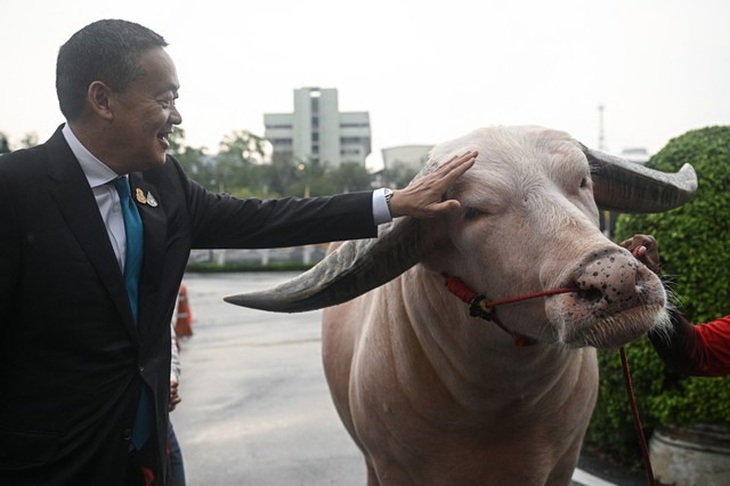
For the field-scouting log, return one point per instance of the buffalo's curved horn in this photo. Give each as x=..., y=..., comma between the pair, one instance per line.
x=354, y=268
x=629, y=187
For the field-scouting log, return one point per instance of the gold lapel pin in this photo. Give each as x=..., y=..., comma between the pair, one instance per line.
x=140, y=196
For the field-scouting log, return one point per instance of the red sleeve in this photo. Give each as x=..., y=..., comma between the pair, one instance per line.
x=713, y=348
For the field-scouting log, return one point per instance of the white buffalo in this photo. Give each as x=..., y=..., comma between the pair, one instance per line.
x=434, y=395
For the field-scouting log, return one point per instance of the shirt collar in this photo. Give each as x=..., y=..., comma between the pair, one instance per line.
x=96, y=172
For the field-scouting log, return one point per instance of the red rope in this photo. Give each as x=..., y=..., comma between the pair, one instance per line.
x=637, y=421
x=559, y=290
x=459, y=289
x=463, y=292
x=479, y=306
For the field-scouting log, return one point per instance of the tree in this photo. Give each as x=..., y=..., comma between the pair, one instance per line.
x=286, y=178
x=308, y=179
x=176, y=139
x=4, y=145
x=245, y=146
x=30, y=139
x=694, y=240
x=196, y=163
x=399, y=175
x=350, y=177
x=240, y=153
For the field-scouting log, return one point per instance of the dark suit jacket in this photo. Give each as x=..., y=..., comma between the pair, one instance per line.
x=71, y=359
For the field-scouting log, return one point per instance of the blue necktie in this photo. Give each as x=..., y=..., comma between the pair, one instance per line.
x=132, y=268
x=135, y=242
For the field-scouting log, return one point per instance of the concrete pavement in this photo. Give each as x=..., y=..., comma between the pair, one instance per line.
x=256, y=408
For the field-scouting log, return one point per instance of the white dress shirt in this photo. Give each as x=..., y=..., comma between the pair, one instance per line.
x=381, y=211
x=99, y=176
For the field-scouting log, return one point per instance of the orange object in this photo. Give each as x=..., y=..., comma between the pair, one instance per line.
x=183, y=325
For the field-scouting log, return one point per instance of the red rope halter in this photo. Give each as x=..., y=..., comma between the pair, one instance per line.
x=479, y=306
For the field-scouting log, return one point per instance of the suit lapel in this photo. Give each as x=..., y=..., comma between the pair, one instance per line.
x=154, y=220
x=76, y=202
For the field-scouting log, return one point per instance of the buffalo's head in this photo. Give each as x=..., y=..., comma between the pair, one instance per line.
x=528, y=222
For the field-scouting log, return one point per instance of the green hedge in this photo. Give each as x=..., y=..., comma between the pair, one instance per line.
x=694, y=243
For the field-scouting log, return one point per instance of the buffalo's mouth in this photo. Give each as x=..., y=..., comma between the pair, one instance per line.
x=616, y=301
x=588, y=318
x=614, y=330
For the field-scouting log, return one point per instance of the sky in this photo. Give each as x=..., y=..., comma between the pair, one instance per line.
x=426, y=71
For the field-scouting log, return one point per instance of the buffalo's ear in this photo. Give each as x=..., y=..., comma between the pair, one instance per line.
x=629, y=187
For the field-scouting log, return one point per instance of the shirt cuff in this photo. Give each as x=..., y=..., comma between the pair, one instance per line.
x=381, y=213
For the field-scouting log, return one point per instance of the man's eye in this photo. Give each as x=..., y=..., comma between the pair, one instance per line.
x=472, y=213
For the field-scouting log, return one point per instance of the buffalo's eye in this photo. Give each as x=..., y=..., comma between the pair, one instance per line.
x=472, y=213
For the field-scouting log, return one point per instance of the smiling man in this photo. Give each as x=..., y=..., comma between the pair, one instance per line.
x=96, y=226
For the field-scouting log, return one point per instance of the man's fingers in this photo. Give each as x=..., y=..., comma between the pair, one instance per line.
x=422, y=197
x=446, y=206
x=456, y=166
x=450, y=171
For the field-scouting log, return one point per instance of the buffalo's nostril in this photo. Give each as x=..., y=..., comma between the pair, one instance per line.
x=591, y=294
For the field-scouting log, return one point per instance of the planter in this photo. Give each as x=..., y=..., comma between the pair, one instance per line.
x=697, y=455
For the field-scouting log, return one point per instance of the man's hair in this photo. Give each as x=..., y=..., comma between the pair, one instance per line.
x=107, y=51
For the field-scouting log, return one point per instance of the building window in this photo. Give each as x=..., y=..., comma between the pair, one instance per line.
x=314, y=104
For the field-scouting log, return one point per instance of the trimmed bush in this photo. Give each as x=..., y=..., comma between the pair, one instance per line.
x=694, y=244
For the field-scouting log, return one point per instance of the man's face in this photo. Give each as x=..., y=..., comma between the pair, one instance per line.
x=145, y=113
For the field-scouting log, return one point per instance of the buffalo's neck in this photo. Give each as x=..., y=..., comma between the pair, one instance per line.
x=468, y=361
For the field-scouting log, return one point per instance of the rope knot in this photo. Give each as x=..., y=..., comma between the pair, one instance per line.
x=480, y=307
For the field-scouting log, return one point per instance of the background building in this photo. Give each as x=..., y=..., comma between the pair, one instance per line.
x=402, y=162
x=410, y=157
x=639, y=155
x=317, y=130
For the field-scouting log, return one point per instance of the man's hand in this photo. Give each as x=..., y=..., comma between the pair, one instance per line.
x=645, y=249
x=174, y=396
x=423, y=197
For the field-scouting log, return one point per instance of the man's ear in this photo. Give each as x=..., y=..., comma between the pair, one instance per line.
x=98, y=96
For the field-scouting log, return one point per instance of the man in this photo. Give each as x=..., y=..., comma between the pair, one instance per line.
x=702, y=350
x=84, y=337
